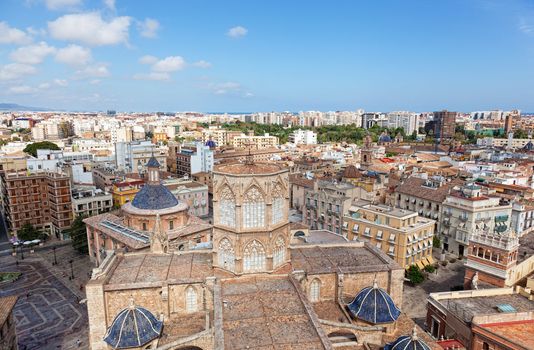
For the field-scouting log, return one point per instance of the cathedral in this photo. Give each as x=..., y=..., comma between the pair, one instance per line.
x=254, y=284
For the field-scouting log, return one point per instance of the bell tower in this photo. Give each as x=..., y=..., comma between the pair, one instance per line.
x=367, y=153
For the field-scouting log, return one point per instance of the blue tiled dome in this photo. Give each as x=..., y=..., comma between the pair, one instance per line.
x=407, y=342
x=384, y=138
x=374, y=305
x=211, y=144
x=154, y=197
x=152, y=163
x=133, y=327
x=529, y=146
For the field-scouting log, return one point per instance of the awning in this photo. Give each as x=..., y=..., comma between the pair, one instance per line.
x=420, y=264
x=430, y=259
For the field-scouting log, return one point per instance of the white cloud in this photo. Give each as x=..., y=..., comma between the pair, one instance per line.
x=32, y=54
x=90, y=28
x=44, y=86
x=99, y=70
x=147, y=59
x=74, y=55
x=110, y=4
x=526, y=27
x=61, y=82
x=149, y=28
x=169, y=64
x=202, y=64
x=10, y=35
x=61, y=4
x=224, y=88
x=16, y=70
x=22, y=89
x=249, y=94
x=94, y=82
x=161, y=76
x=237, y=32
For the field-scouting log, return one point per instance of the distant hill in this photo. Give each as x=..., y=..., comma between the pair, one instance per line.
x=16, y=107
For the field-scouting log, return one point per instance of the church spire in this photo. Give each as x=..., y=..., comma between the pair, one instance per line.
x=153, y=171
x=159, y=241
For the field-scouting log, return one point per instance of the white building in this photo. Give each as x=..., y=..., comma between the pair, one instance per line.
x=90, y=201
x=303, y=137
x=132, y=156
x=409, y=121
x=468, y=210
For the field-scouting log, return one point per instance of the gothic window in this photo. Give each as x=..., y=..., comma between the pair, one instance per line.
x=279, y=252
x=315, y=290
x=226, y=254
x=253, y=208
x=190, y=299
x=254, y=257
x=227, y=208
x=278, y=205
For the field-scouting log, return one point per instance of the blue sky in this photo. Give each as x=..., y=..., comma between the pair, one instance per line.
x=267, y=55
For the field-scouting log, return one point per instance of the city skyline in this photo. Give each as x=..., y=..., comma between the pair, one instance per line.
x=238, y=56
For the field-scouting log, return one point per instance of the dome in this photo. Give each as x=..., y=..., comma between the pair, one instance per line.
x=384, y=138
x=529, y=146
x=408, y=342
x=153, y=163
x=133, y=327
x=154, y=197
x=374, y=305
x=211, y=144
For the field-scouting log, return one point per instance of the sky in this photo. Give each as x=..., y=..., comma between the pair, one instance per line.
x=252, y=56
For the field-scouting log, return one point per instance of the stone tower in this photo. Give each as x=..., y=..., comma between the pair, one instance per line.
x=367, y=153
x=250, y=217
x=492, y=255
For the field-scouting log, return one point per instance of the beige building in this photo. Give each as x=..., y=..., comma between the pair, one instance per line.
x=254, y=286
x=8, y=335
x=401, y=234
x=255, y=142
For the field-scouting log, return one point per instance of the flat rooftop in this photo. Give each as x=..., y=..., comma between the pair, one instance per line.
x=350, y=258
x=466, y=308
x=143, y=267
x=266, y=313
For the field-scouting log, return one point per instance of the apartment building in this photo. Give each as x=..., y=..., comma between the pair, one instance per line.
x=124, y=191
x=132, y=156
x=90, y=201
x=194, y=158
x=303, y=137
x=423, y=196
x=255, y=142
x=262, y=155
x=42, y=199
x=326, y=203
x=191, y=192
x=467, y=210
x=104, y=178
x=215, y=134
x=402, y=234
x=298, y=185
x=444, y=125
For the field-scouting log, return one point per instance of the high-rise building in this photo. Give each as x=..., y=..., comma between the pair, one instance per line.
x=42, y=199
x=132, y=156
x=193, y=159
x=444, y=125
x=303, y=137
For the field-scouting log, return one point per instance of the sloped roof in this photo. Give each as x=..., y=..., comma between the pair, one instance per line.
x=374, y=305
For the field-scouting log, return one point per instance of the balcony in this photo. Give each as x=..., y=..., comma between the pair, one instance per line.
x=501, y=218
x=447, y=213
x=464, y=218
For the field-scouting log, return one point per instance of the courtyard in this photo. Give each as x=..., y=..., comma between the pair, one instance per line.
x=51, y=311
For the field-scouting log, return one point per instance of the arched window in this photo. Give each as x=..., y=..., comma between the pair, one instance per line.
x=227, y=207
x=315, y=290
x=254, y=257
x=279, y=252
x=278, y=205
x=226, y=254
x=253, y=208
x=190, y=299
x=485, y=346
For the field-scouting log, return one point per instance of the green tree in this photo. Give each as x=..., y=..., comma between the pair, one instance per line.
x=28, y=233
x=436, y=242
x=414, y=275
x=520, y=134
x=33, y=147
x=78, y=234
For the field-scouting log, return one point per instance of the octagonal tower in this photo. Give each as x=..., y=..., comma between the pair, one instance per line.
x=250, y=217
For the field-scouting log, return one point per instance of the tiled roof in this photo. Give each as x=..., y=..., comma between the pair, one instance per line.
x=133, y=327
x=301, y=181
x=153, y=163
x=407, y=342
x=6, y=305
x=154, y=197
x=374, y=305
x=413, y=186
x=351, y=172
